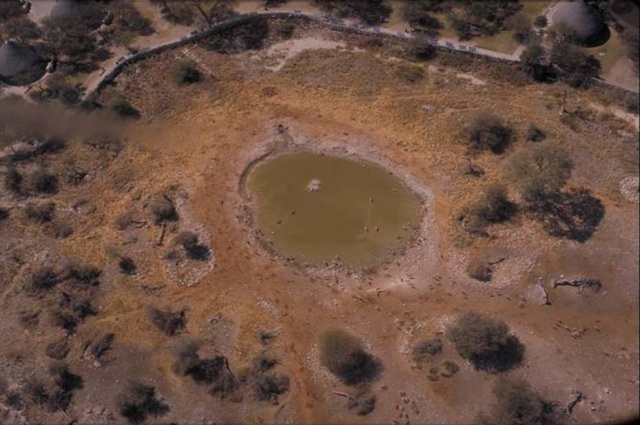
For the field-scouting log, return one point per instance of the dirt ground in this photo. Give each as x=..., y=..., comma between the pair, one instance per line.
x=194, y=143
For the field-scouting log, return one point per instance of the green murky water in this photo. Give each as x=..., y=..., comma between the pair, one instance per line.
x=359, y=213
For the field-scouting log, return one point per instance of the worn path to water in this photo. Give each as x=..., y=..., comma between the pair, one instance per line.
x=315, y=208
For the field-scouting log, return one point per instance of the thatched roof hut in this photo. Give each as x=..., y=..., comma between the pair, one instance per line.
x=16, y=59
x=587, y=23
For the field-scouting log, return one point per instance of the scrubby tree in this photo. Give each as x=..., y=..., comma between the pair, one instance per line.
x=576, y=66
x=517, y=404
x=345, y=356
x=487, y=131
x=486, y=342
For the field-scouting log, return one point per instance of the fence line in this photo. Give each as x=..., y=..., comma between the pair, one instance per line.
x=110, y=76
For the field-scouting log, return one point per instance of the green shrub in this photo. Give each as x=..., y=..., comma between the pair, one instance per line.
x=187, y=72
x=541, y=171
x=486, y=342
x=344, y=355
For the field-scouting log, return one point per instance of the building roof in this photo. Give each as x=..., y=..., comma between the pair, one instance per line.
x=584, y=20
x=15, y=58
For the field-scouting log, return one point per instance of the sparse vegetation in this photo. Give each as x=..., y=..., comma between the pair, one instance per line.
x=426, y=349
x=58, y=349
x=345, y=356
x=44, y=279
x=486, y=342
x=487, y=131
x=422, y=49
x=84, y=275
x=534, y=134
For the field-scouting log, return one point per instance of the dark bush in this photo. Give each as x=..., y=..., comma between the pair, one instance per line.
x=486, y=342
x=140, y=402
x=418, y=14
x=363, y=404
x=35, y=392
x=427, y=348
x=517, y=404
x=344, y=355
x=64, y=378
x=59, y=399
x=450, y=369
x=41, y=213
x=204, y=371
x=263, y=364
x=473, y=19
x=58, y=349
x=85, y=275
x=169, y=323
x=534, y=134
x=127, y=266
x=493, y=206
x=540, y=21
x=102, y=345
x=286, y=31
x=479, y=270
x=187, y=72
x=45, y=279
x=65, y=319
x=4, y=214
x=164, y=210
x=192, y=248
x=13, y=180
x=123, y=108
x=248, y=36
x=269, y=387
x=422, y=49
x=487, y=131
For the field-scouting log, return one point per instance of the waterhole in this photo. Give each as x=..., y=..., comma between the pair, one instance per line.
x=317, y=208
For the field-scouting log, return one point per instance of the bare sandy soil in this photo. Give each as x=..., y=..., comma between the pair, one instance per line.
x=194, y=143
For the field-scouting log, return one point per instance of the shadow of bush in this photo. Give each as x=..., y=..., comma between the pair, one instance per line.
x=573, y=215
